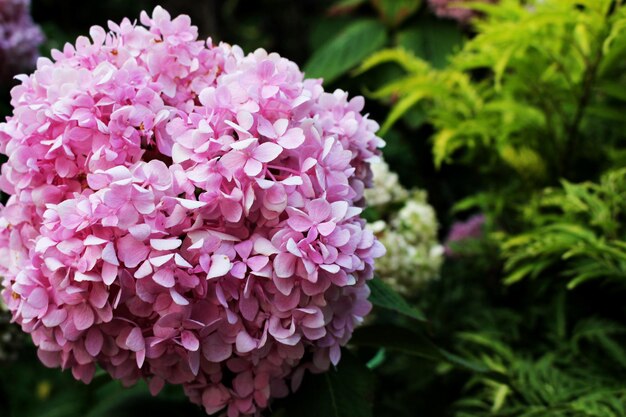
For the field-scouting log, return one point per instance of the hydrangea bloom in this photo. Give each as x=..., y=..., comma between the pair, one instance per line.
x=472, y=228
x=184, y=213
x=453, y=9
x=414, y=256
x=19, y=38
x=386, y=188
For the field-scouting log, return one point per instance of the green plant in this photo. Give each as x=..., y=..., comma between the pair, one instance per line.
x=578, y=228
x=533, y=97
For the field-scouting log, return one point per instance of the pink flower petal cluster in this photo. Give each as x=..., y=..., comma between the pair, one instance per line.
x=184, y=213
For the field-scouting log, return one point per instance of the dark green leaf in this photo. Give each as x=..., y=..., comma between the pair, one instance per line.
x=346, y=391
x=346, y=50
x=324, y=30
x=431, y=40
x=383, y=296
x=415, y=343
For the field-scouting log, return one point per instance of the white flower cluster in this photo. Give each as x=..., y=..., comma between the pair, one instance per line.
x=386, y=188
x=414, y=255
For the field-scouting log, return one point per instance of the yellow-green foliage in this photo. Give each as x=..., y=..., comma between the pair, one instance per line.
x=579, y=228
x=535, y=90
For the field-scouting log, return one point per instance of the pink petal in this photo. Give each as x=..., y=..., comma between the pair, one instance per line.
x=89, y=241
x=94, y=341
x=319, y=210
x=177, y=298
x=299, y=222
x=292, y=247
x=143, y=200
x=54, y=318
x=194, y=361
x=161, y=260
x=140, y=231
x=292, y=139
x=164, y=277
x=335, y=354
x=140, y=357
x=333, y=269
x=215, y=349
x=252, y=167
x=131, y=251
x=267, y=152
x=38, y=298
x=244, y=384
x=98, y=296
x=244, y=248
x=155, y=385
x=83, y=316
x=266, y=129
x=220, y=265
x=284, y=265
x=165, y=244
x=249, y=307
x=268, y=91
x=244, y=342
x=256, y=263
x=189, y=340
x=190, y=204
x=135, y=340
x=108, y=254
x=264, y=247
x=233, y=161
x=144, y=270
x=280, y=126
x=326, y=228
x=243, y=144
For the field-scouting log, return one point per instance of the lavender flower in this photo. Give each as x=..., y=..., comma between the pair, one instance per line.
x=472, y=228
x=453, y=9
x=20, y=38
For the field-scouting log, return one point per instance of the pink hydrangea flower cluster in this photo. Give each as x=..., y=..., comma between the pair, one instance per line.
x=184, y=213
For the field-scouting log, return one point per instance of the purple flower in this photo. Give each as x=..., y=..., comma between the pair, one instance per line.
x=20, y=38
x=453, y=9
x=472, y=228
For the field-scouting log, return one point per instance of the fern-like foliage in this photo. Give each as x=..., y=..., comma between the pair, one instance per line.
x=579, y=228
x=535, y=95
x=576, y=376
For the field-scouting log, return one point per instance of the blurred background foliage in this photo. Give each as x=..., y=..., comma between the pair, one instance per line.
x=511, y=116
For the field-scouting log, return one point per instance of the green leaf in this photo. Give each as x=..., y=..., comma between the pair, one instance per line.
x=396, y=55
x=385, y=297
x=378, y=359
x=324, y=30
x=401, y=108
x=416, y=343
x=346, y=50
x=346, y=391
x=394, y=12
x=431, y=40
